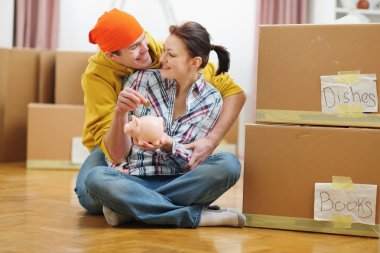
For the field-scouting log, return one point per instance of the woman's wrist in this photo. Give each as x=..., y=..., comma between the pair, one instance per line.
x=168, y=144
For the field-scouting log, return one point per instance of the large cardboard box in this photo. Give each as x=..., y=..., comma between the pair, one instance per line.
x=18, y=87
x=283, y=163
x=51, y=129
x=291, y=60
x=69, y=68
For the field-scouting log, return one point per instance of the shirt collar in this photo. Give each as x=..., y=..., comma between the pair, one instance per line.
x=199, y=84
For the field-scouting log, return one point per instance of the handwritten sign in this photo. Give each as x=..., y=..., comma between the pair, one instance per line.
x=359, y=203
x=353, y=95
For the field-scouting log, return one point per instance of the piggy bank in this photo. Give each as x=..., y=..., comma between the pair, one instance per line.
x=146, y=128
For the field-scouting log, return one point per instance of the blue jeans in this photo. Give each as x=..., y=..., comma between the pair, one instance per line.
x=160, y=200
x=95, y=159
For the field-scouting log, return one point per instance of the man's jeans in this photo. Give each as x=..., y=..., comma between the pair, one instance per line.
x=161, y=200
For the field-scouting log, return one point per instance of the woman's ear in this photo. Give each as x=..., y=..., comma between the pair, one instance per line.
x=196, y=62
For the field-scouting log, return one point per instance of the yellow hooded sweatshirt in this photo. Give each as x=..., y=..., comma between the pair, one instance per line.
x=102, y=83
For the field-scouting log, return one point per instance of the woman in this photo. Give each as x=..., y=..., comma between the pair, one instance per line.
x=154, y=185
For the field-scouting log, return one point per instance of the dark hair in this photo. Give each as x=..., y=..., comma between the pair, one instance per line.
x=197, y=41
x=117, y=52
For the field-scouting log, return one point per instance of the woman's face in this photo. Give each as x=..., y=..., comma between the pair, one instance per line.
x=176, y=60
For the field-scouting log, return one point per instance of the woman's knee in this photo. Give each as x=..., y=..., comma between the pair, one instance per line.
x=85, y=199
x=223, y=167
x=104, y=182
x=229, y=164
x=94, y=179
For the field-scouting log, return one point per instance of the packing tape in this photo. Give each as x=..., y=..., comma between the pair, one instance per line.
x=51, y=164
x=317, y=118
x=348, y=77
x=342, y=221
x=310, y=225
x=353, y=110
x=342, y=183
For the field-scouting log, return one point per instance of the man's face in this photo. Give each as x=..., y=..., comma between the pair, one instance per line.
x=135, y=56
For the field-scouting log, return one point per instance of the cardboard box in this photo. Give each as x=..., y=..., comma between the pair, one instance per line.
x=283, y=163
x=18, y=87
x=46, y=77
x=291, y=60
x=51, y=129
x=69, y=68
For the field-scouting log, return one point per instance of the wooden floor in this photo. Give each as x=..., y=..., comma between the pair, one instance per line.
x=39, y=212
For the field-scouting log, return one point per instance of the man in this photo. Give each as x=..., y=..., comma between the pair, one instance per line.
x=126, y=47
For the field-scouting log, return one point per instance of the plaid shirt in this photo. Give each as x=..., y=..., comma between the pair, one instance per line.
x=203, y=107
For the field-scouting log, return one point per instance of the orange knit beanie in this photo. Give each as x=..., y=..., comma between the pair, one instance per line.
x=115, y=30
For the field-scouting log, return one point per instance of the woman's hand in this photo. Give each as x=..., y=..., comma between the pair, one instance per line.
x=164, y=144
x=147, y=145
x=128, y=100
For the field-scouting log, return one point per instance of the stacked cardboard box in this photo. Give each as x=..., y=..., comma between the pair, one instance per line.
x=293, y=58
x=29, y=76
x=51, y=129
x=69, y=68
x=293, y=145
x=55, y=129
x=18, y=86
x=26, y=76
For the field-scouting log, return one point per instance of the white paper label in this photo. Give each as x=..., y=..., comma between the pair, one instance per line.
x=359, y=97
x=79, y=152
x=359, y=203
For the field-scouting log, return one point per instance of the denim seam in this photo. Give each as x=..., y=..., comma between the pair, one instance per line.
x=198, y=217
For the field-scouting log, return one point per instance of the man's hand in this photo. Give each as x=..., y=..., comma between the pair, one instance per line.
x=201, y=148
x=122, y=170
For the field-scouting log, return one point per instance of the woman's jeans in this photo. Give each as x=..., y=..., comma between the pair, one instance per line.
x=161, y=200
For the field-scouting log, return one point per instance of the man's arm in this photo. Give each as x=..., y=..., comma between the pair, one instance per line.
x=202, y=148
